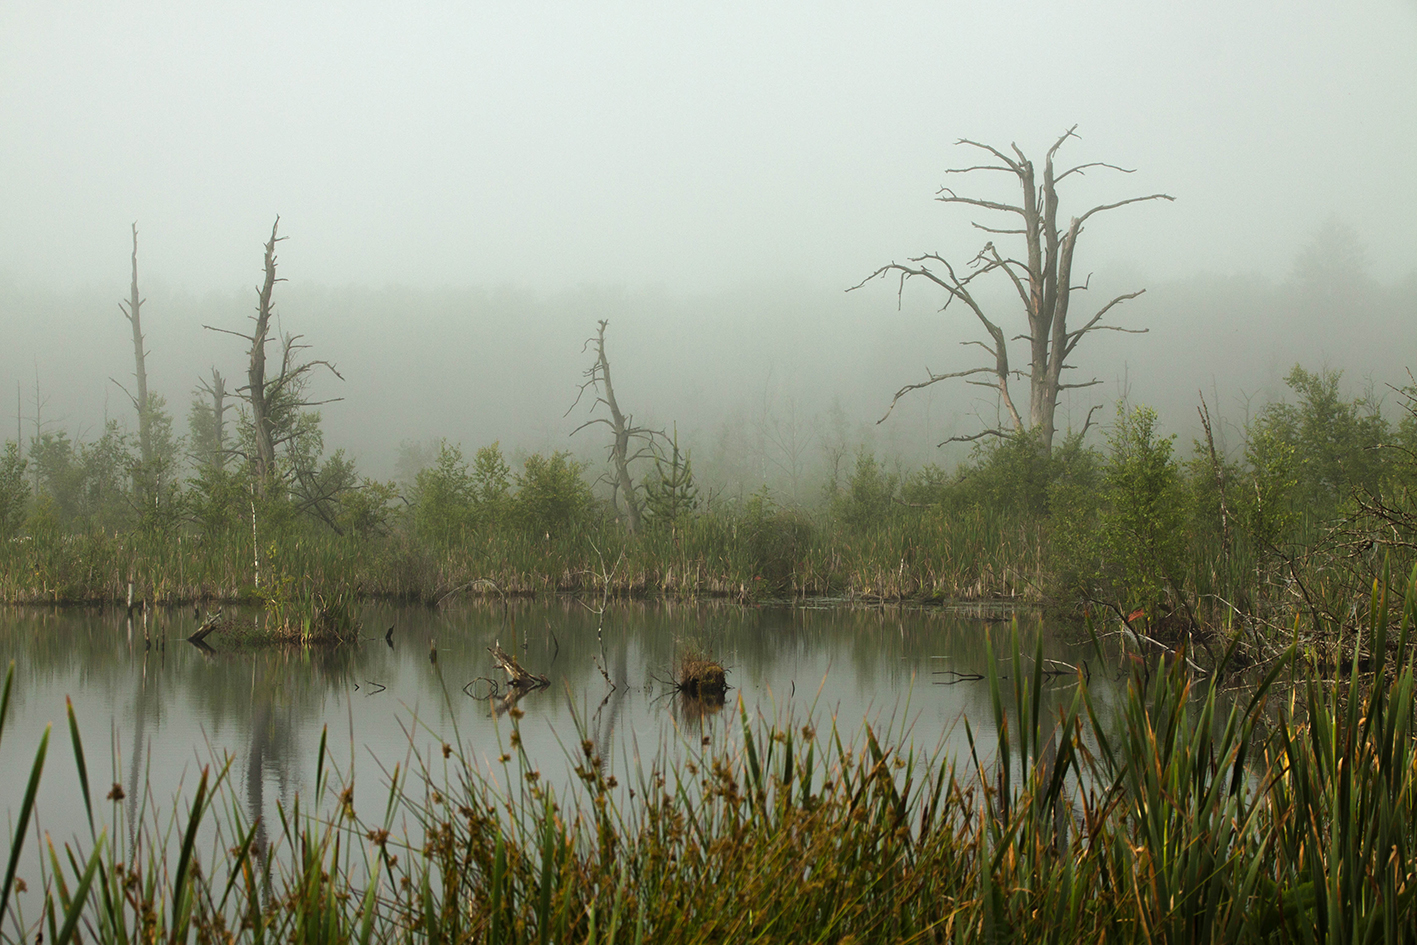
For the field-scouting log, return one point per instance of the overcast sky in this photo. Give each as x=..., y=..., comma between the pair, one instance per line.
x=689, y=146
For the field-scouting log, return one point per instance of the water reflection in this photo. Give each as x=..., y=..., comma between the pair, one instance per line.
x=171, y=707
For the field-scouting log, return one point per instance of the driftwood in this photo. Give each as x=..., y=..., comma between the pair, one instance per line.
x=210, y=625
x=517, y=676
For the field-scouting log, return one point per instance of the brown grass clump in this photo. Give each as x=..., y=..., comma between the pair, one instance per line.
x=700, y=675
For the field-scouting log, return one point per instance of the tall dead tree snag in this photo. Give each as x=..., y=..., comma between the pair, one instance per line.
x=628, y=442
x=256, y=393
x=275, y=401
x=212, y=449
x=1042, y=279
x=132, y=310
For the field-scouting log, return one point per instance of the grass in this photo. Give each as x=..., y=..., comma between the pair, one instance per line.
x=1178, y=815
x=932, y=558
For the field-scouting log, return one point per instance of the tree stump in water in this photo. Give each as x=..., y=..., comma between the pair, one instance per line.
x=213, y=623
x=517, y=676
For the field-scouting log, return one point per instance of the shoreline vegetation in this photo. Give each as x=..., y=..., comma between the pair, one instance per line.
x=1220, y=547
x=1176, y=815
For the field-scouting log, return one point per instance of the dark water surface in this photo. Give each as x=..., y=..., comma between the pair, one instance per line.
x=155, y=714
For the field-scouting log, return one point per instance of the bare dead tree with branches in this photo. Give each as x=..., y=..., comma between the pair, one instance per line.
x=215, y=455
x=132, y=311
x=276, y=402
x=1043, y=281
x=628, y=442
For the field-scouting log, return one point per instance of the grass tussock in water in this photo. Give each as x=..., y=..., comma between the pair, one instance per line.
x=1167, y=817
x=699, y=675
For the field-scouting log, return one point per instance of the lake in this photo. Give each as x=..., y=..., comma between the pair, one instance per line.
x=153, y=713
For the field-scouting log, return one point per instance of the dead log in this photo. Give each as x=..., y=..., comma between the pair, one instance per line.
x=519, y=677
x=211, y=624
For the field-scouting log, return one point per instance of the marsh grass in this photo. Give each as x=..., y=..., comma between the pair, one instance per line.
x=932, y=557
x=1176, y=815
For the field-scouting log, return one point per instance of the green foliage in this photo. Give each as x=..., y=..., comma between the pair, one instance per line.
x=1266, y=500
x=218, y=501
x=14, y=491
x=443, y=496
x=368, y=510
x=1328, y=445
x=1012, y=476
x=670, y=494
x=491, y=486
x=1076, y=556
x=867, y=501
x=203, y=445
x=1143, y=513
x=777, y=538
x=88, y=483
x=552, y=494
x=157, y=491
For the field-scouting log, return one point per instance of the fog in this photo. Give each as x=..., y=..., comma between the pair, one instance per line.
x=467, y=188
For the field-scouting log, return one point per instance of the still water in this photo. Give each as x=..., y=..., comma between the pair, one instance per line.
x=153, y=714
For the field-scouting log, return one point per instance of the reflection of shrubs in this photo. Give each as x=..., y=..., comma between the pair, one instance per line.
x=776, y=539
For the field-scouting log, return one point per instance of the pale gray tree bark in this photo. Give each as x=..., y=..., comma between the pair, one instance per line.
x=1042, y=278
x=628, y=442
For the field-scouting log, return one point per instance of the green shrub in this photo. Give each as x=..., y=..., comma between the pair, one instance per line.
x=670, y=494
x=776, y=539
x=14, y=491
x=1143, y=511
x=552, y=495
x=870, y=492
x=443, y=496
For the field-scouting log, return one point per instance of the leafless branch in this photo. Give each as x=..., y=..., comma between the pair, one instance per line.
x=970, y=438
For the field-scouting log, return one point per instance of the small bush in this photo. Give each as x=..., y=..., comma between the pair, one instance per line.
x=552, y=495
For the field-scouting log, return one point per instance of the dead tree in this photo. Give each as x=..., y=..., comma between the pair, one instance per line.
x=275, y=402
x=625, y=434
x=216, y=390
x=1042, y=279
x=132, y=310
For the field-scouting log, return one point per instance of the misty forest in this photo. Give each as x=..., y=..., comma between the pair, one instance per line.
x=1005, y=568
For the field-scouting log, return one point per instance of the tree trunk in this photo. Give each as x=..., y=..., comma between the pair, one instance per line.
x=622, y=427
x=1042, y=280
x=216, y=389
x=133, y=311
x=263, y=431
x=620, y=452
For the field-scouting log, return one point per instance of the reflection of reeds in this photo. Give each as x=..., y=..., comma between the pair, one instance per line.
x=1180, y=822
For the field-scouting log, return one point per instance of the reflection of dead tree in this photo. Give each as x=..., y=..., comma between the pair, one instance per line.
x=606, y=578
x=622, y=428
x=1042, y=279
